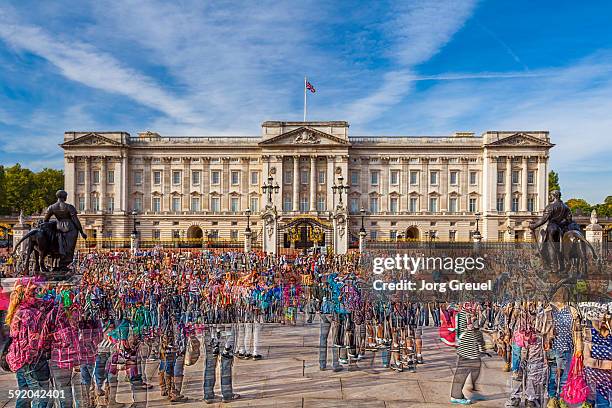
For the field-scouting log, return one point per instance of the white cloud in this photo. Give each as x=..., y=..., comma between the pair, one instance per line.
x=419, y=31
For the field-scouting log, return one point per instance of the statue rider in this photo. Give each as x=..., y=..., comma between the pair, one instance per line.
x=558, y=217
x=68, y=227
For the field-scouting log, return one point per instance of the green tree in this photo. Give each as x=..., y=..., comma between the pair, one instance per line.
x=553, y=181
x=46, y=183
x=576, y=204
x=18, y=184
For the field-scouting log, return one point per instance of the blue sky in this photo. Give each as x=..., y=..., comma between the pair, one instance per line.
x=389, y=68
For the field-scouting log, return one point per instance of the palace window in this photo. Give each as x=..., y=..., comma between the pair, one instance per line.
x=433, y=204
x=452, y=236
x=138, y=177
x=472, y=205
x=287, y=203
x=95, y=202
x=304, y=205
x=234, y=204
x=500, y=236
x=374, y=176
x=215, y=177
x=235, y=177
x=530, y=177
x=393, y=204
x=454, y=178
x=110, y=177
x=473, y=178
x=393, y=234
x=500, y=177
x=515, y=204
x=414, y=203
x=157, y=177
x=195, y=178
x=288, y=176
x=354, y=205
x=452, y=204
x=176, y=234
x=373, y=234
x=374, y=205
x=414, y=177
x=321, y=203
x=304, y=176
x=395, y=177
x=96, y=177
x=500, y=203
x=433, y=178
x=214, y=234
x=195, y=204
x=110, y=204
x=234, y=235
x=254, y=178
x=215, y=204
x=355, y=178
x=81, y=203
x=254, y=202
x=81, y=177
x=176, y=178
x=156, y=234
x=176, y=204
x=515, y=177
x=156, y=204
x=530, y=204
x=321, y=177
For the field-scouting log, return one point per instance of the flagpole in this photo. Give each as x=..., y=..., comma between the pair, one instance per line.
x=305, y=99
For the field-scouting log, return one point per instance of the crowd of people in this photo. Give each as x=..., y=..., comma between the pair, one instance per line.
x=152, y=313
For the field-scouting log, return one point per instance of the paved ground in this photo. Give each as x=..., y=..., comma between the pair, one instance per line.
x=289, y=377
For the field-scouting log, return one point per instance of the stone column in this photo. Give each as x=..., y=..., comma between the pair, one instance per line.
x=383, y=184
x=245, y=183
x=103, y=200
x=524, y=188
x=146, y=180
x=225, y=183
x=443, y=205
x=296, y=183
x=205, y=185
x=186, y=201
x=87, y=184
x=464, y=181
x=247, y=241
x=542, y=198
x=329, y=182
x=362, y=241
x=404, y=186
x=313, y=182
x=508, y=196
x=70, y=184
x=19, y=231
x=167, y=184
x=424, y=185
x=125, y=180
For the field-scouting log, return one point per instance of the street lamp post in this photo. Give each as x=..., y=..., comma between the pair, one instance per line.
x=362, y=232
x=247, y=232
x=270, y=188
x=134, y=236
x=477, y=236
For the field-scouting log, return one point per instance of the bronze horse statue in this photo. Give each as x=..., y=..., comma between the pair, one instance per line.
x=572, y=248
x=42, y=242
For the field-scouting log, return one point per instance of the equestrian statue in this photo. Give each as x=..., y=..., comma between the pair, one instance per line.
x=55, y=239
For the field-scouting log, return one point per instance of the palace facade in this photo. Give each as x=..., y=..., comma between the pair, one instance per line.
x=410, y=187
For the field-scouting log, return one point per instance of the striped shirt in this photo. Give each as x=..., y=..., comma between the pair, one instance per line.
x=470, y=341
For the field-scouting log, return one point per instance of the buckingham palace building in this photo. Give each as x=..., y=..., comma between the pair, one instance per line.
x=301, y=183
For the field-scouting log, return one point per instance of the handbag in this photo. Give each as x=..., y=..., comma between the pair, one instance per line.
x=192, y=354
x=4, y=349
x=575, y=390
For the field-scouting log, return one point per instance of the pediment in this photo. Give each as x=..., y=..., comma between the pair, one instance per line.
x=305, y=136
x=89, y=139
x=520, y=139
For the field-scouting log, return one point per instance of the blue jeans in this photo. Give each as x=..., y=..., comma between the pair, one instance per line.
x=100, y=369
x=212, y=339
x=25, y=377
x=516, y=357
x=62, y=379
x=323, y=335
x=563, y=361
x=22, y=383
x=87, y=372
